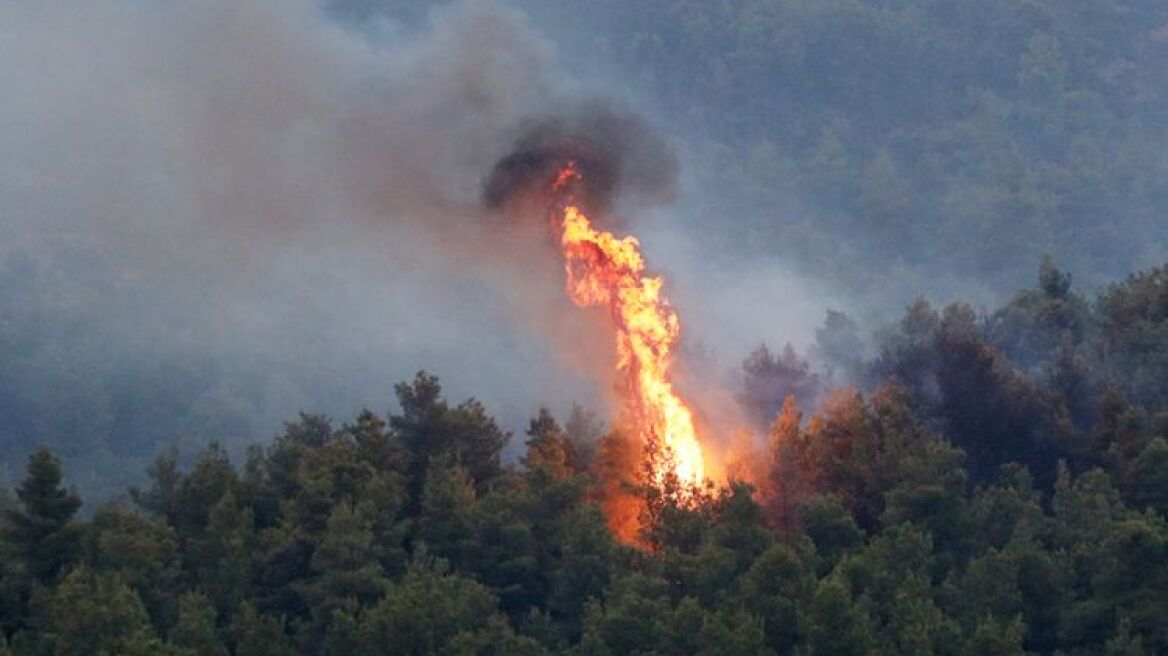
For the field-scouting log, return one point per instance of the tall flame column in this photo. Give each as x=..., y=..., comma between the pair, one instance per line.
x=609, y=272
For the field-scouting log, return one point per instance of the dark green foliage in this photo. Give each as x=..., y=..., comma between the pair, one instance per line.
x=995, y=637
x=1124, y=643
x=877, y=144
x=779, y=583
x=144, y=553
x=429, y=428
x=634, y=619
x=961, y=507
x=1044, y=331
x=221, y=557
x=506, y=552
x=933, y=137
x=831, y=528
x=195, y=630
x=347, y=574
x=996, y=484
x=1146, y=481
x=259, y=635
x=88, y=613
x=213, y=478
x=586, y=561
x=39, y=532
x=1134, y=334
x=428, y=612
x=991, y=411
x=1051, y=375
x=446, y=519
x=161, y=499
x=835, y=623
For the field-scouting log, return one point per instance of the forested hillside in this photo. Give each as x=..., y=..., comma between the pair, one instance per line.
x=213, y=214
x=1000, y=487
x=885, y=148
x=919, y=138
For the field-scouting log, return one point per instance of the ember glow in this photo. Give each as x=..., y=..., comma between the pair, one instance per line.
x=609, y=272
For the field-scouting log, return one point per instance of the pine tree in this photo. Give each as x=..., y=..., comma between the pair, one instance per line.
x=1123, y=643
x=88, y=613
x=584, y=568
x=40, y=533
x=212, y=476
x=222, y=557
x=143, y=552
x=446, y=523
x=161, y=498
x=429, y=428
x=195, y=630
x=836, y=624
x=259, y=635
x=994, y=637
x=346, y=572
x=427, y=611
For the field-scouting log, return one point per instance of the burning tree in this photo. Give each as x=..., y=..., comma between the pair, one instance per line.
x=607, y=271
x=568, y=170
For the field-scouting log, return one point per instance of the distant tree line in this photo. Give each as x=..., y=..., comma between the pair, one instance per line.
x=998, y=486
x=878, y=145
x=914, y=138
x=893, y=143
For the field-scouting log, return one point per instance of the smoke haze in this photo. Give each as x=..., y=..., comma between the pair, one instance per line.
x=264, y=210
x=215, y=214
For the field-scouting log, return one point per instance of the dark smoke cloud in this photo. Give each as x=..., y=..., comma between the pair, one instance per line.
x=616, y=151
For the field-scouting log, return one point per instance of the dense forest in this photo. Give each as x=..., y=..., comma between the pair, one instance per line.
x=981, y=477
x=887, y=148
x=998, y=486
x=919, y=127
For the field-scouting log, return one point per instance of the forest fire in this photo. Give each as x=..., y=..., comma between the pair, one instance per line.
x=606, y=271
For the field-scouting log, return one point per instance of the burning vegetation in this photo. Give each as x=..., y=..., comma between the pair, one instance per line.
x=995, y=484
x=573, y=179
x=609, y=272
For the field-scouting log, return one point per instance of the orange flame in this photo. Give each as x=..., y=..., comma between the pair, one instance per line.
x=604, y=270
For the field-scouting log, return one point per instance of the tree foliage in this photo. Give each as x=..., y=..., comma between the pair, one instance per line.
x=992, y=484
